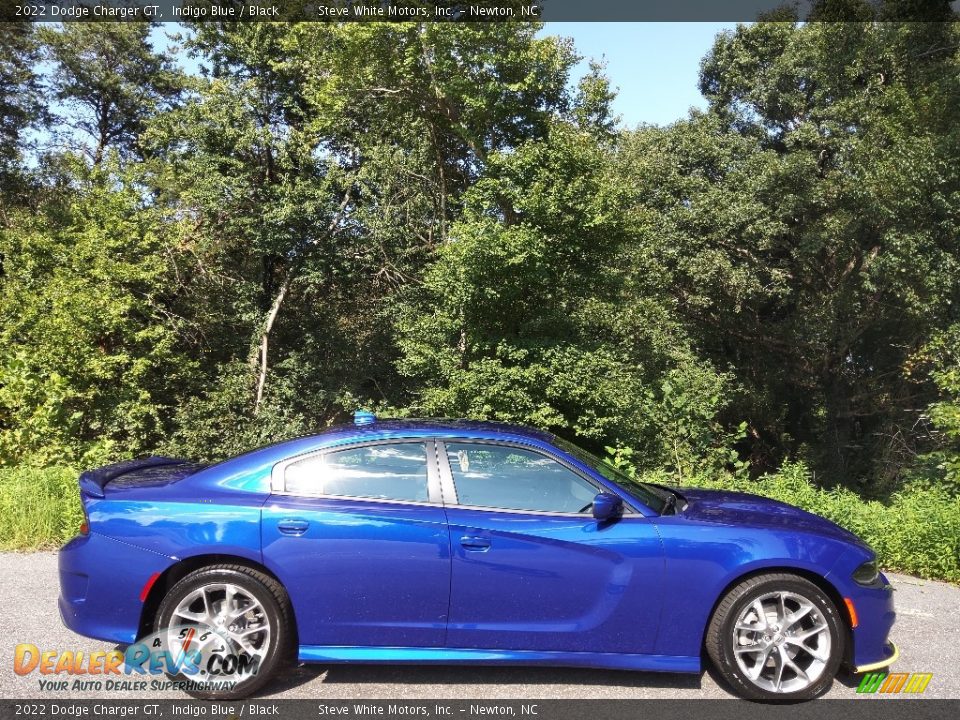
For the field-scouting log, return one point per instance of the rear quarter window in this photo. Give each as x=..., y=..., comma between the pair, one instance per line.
x=389, y=471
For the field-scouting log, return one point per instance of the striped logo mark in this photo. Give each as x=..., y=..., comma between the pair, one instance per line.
x=889, y=683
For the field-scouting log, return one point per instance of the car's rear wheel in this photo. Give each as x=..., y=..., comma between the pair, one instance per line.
x=236, y=623
x=776, y=637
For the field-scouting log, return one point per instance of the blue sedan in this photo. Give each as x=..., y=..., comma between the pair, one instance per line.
x=465, y=542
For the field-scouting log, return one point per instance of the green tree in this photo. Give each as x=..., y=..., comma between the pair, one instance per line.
x=805, y=227
x=531, y=316
x=939, y=361
x=108, y=81
x=20, y=102
x=88, y=351
x=314, y=170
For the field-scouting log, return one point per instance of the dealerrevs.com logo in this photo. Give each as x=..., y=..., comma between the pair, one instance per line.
x=193, y=657
x=892, y=683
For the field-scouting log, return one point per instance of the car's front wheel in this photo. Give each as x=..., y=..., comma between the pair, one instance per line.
x=232, y=626
x=776, y=637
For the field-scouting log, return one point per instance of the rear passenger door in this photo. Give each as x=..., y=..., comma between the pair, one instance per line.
x=358, y=536
x=532, y=568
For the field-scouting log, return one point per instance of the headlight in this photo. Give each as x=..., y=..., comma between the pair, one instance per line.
x=866, y=574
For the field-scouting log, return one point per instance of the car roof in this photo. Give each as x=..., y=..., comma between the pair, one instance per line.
x=439, y=427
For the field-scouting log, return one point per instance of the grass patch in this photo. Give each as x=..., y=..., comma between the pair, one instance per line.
x=916, y=532
x=39, y=507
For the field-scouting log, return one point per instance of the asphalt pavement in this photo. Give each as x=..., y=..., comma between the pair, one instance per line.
x=927, y=632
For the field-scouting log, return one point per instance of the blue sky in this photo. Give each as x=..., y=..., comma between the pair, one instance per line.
x=654, y=65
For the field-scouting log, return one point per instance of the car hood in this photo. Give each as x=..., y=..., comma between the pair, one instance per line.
x=734, y=508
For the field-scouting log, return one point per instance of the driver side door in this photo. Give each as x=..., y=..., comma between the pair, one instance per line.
x=531, y=568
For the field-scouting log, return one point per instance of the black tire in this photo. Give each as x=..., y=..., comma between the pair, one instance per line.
x=271, y=596
x=719, y=639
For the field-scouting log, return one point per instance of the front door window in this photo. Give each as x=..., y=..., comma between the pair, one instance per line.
x=512, y=478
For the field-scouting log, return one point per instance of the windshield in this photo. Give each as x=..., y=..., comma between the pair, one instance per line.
x=650, y=496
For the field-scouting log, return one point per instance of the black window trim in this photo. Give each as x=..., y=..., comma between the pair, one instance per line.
x=449, y=488
x=434, y=492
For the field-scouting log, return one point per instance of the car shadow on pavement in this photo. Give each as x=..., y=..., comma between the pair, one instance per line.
x=848, y=679
x=423, y=675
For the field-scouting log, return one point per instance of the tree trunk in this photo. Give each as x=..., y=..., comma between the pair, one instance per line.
x=265, y=338
x=259, y=359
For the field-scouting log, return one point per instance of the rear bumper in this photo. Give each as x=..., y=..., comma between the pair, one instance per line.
x=100, y=584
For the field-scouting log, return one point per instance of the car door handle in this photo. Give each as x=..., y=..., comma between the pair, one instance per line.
x=472, y=542
x=293, y=526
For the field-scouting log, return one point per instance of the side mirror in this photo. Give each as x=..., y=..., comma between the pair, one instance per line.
x=607, y=506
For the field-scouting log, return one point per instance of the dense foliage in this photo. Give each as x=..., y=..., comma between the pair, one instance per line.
x=435, y=220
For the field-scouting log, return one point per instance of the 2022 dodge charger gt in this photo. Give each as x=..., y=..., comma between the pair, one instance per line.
x=466, y=542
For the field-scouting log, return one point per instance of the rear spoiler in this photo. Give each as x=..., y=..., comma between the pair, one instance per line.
x=92, y=482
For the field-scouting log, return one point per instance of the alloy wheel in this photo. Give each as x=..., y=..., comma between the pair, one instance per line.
x=225, y=619
x=781, y=642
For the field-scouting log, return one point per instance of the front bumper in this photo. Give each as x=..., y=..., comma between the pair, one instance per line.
x=872, y=648
x=894, y=654
x=100, y=583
